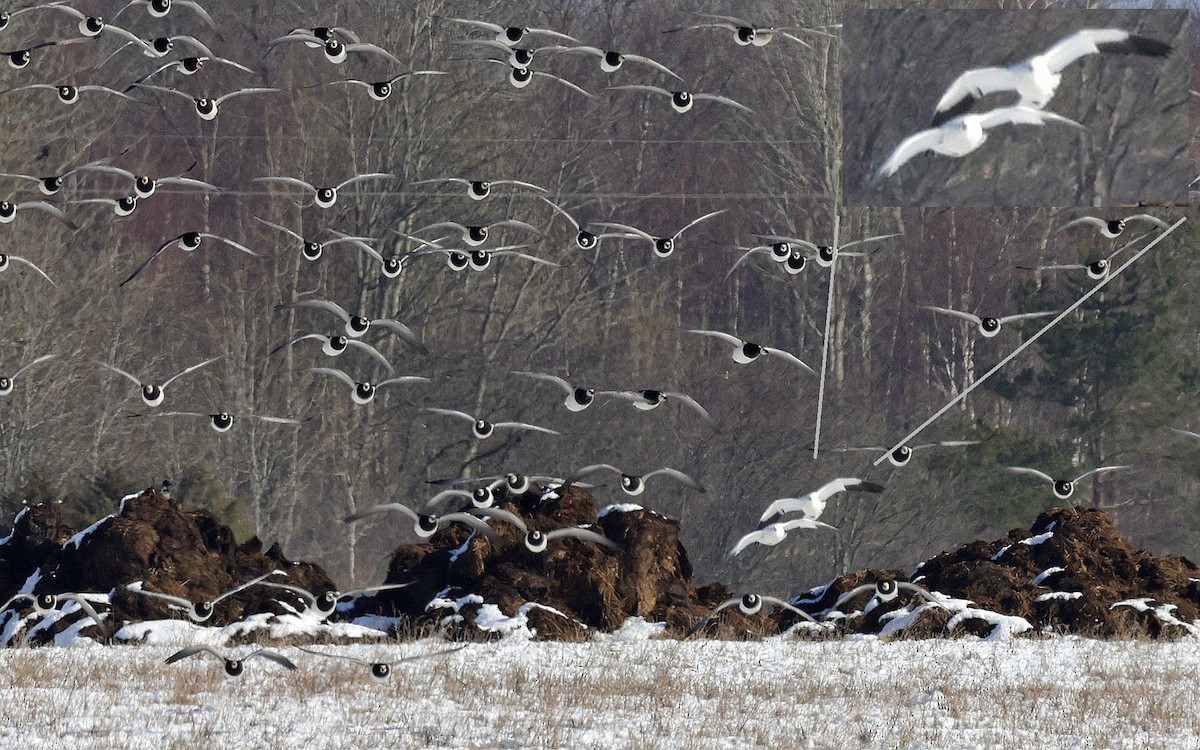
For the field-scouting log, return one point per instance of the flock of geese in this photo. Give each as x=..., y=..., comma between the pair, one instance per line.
x=463, y=247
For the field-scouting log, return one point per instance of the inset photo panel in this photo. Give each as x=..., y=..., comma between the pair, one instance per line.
x=1015, y=107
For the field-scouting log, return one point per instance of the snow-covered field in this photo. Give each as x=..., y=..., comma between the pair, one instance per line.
x=624, y=691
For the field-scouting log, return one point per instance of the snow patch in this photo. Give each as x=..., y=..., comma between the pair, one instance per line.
x=16, y=520
x=1059, y=595
x=618, y=508
x=1037, y=539
x=76, y=540
x=634, y=629
x=1046, y=574
x=1001, y=552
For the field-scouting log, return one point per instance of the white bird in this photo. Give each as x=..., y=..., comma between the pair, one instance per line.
x=189, y=66
x=325, y=197
x=681, y=101
x=483, y=429
x=1096, y=269
x=188, y=241
x=145, y=185
x=152, y=394
x=475, y=235
x=336, y=51
x=480, y=189
x=381, y=669
x=823, y=254
x=662, y=246
x=8, y=212
x=517, y=57
x=20, y=58
x=902, y=455
x=610, y=60
x=988, y=326
x=651, y=399
x=633, y=484
x=325, y=604
x=578, y=398
x=199, y=611
x=1186, y=433
x=961, y=135
x=223, y=421
x=53, y=184
x=1036, y=78
x=774, y=533
x=584, y=239
x=750, y=605
x=358, y=325
x=813, y=503
x=882, y=591
x=121, y=206
x=157, y=47
x=381, y=90
x=8, y=382
x=537, y=540
x=1063, y=488
x=45, y=604
x=333, y=346
x=67, y=93
x=425, y=525
x=364, y=392
x=1112, y=228
x=233, y=666
x=208, y=107
x=745, y=352
x=520, y=78
x=746, y=33
x=311, y=249
x=7, y=260
x=780, y=252
x=161, y=8
x=511, y=35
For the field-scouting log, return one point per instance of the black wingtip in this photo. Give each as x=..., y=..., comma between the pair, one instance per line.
x=867, y=487
x=1137, y=45
x=961, y=107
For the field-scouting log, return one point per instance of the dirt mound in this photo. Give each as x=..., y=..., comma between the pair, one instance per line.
x=563, y=592
x=151, y=540
x=1071, y=572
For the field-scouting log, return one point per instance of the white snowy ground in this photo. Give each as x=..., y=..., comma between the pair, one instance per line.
x=624, y=691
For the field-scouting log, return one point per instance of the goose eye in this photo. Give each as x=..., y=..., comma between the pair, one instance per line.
x=18, y=59
x=338, y=343
x=192, y=64
x=1063, y=488
x=483, y=428
x=990, y=324
x=751, y=604
x=326, y=197
x=359, y=324
x=125, y=206
x=613, y=59
x=190, y=240
x=47, y=601
x=160, y=7
x=222, y=422
x=144, y=186
x=585, y=240
x=68, y=93
x=664, y=247
x=380, y=670
x=480, y=189
x=514, y=34
x=481, y=497
x=392, y=267
x=364, y=392
x=234, y=667
x=681, y=101
x=825, y=253
x=5, y=385
x=162, y=45
x=311, y=250
x=4, y=262
x=745, y=35
x=477, y=234
x=457, y=261
x=91, y=26
x=204, y=609
x=4, y=18
x=335, y=51
x=8, y=211
x=206, y=108
x=380, y=91
x=330, y=598
x=427, y=525
x=781, y=251
x=51, y=185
